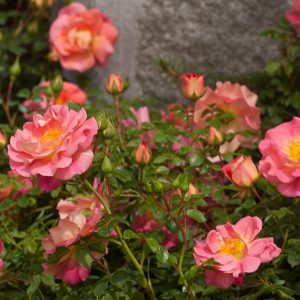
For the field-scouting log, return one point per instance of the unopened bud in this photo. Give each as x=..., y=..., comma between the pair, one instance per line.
x=15, y=69
x=142, y=154
x=101, y=121
x=214, y=136
x=192, y=86
x=148, y=187
x=2, y=139
x=107, y=166
x=114, y=84
x=57, y=84
x=110, y=130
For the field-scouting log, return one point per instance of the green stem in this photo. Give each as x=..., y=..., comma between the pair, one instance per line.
x=145, y=283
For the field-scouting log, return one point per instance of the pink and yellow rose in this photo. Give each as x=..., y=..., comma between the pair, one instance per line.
x=55, y=146
x=236, y=250
x=82, y=38
x=239, y=103
x=280, y=162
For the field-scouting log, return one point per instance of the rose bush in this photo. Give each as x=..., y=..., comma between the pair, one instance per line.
x=115, y=198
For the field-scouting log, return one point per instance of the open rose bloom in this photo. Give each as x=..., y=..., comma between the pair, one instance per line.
x=82, y=38
x=78, y=218
x=239, y=103
x=55, y=146
x=236, y=250
x=280, y=162
x=70, y=93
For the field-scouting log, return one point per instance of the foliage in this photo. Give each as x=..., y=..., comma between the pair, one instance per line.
x=132, y=188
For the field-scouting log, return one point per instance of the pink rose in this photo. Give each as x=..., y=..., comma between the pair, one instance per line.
x=293, y=15
x=56, y=146
x=236, y=251
x=280, y=160
x=79, y=217
x=239, y=103
x=82, y=38
x=68, y=268
x=70, y=93
x=142, y=116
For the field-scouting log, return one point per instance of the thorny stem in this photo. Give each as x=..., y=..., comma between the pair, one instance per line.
x=145, y=283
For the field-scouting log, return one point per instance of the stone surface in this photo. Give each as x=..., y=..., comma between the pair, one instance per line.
x=207, y=36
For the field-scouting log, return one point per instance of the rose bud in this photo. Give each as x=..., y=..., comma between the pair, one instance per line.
x=114, y=84
x=214, y=136
x=192, y=86
x=2, y=139
x=241, y=171
x=142, y=154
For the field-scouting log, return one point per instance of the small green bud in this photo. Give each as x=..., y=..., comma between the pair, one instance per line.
x=33, y=27
x=148, y=187
x=15, y=69
x=48, y=91
x=107, y=166
x=101, y=121
x=110, y=131
x=57, y=84
x=158, y=187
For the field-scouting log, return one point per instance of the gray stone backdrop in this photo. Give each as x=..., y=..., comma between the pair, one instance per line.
x=206, y=35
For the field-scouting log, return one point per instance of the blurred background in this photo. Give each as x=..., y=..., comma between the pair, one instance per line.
x=204, y=36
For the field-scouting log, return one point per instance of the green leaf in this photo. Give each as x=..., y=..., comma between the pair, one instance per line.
x=162, y=255
x=100, y=288
x=34, y=285
x=129, y=234
x=84, y=257
x=197, y=159
x=153, y=244
x=196, y=215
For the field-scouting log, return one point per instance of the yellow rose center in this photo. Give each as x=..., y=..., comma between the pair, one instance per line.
x=51, y=135
x=83, y=38
x=293, y=151
x=234, y=247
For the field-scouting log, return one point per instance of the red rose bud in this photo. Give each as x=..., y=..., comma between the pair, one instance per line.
x=114, y=84
x=241, y=171
x=214, y=136
x=2, y=139
x=192, y=86
x=142, y=154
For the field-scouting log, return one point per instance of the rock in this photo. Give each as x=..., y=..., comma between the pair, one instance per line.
x=206, y=36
